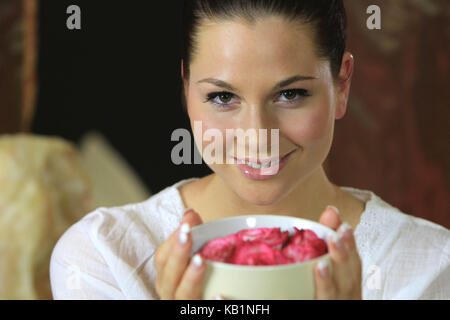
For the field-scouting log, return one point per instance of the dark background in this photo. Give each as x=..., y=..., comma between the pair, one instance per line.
x=119, y=74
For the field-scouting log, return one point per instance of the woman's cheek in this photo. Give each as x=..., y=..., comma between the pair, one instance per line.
x=206, y=130
x=206, y=116
x=309, y=126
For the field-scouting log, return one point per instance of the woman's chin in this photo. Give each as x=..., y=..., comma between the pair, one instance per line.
x=260, y=193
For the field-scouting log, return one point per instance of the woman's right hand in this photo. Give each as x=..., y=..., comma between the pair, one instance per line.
x=178, y=276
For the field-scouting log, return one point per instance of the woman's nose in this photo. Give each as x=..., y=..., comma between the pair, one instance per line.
x=260, y=119
x=257, y=117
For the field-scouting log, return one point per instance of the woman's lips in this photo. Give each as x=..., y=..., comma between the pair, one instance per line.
x=264, y=173
x=262, y=161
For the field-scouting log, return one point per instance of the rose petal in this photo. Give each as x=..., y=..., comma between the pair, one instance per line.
x=273, y=237
x=300, y=253
x=218, y=250
x=233, y=239
x=280, y=258
x=253, y=253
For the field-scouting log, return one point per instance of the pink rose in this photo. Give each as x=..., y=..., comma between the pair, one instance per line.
x=309, y=238
x=280, y=258
x=233, y=239
x=300, y=253
x=273, y=237
x=253, y=253
x=218, y=249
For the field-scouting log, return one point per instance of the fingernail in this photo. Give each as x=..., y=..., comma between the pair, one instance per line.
x=323, y=268
x=184, y=230
x=344, y=227
x=183, y=238
x=197, y=260
x=186, y=211
x=334, y=208
x=218, y=297
x=337, y=239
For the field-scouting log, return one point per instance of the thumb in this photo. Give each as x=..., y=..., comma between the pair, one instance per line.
x=330, y=218
x=192, y=217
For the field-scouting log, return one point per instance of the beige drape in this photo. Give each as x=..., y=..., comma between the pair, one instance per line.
x=43, y=190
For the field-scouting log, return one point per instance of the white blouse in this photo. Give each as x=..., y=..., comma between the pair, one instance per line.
x=109, y=253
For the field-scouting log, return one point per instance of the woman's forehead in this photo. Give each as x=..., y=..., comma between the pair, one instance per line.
x=270, y=43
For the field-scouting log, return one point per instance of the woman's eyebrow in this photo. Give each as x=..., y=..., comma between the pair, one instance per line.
x=279, y=85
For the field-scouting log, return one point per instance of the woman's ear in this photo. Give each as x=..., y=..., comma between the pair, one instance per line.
x=343, y=84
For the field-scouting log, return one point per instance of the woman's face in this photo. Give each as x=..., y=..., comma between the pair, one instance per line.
x=252, y=60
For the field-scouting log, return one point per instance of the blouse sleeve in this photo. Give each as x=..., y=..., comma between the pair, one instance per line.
x=439, y=288
x=78, y=272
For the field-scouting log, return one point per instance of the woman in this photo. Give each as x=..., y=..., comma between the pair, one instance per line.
x=258, y=65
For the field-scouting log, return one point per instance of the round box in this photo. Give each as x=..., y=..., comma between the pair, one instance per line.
x=237, y=282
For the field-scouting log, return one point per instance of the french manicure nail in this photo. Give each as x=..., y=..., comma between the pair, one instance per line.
x=185, y=228
x=337, y=239
x=344, y=227
x=323, y=268
x=197, y=259
x=334, y=208
x=183, y=235
x=218, y=297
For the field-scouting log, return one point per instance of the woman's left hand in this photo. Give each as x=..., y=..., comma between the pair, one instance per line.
x=344, y=282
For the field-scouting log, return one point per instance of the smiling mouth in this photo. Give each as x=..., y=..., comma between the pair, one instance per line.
x=263, y=163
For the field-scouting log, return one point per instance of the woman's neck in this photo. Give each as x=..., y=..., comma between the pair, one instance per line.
x=308, y=200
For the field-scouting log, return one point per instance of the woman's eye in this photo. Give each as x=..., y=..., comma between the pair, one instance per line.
x=220, y=98
x=292, y=93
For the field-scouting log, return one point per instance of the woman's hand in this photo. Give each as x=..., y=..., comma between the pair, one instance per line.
x=178, y=276
x=344, y=282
